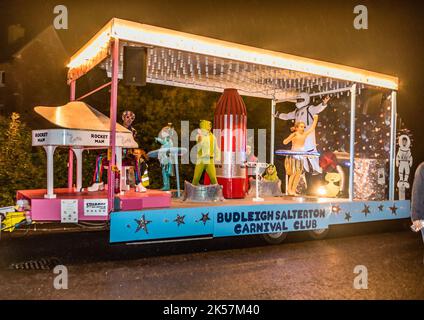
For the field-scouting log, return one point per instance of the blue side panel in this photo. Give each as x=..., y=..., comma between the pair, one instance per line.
x=351, y=212
x=128, y=226
x=222, y=221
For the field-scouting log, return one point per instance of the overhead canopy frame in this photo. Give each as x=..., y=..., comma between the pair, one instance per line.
x=186, y=60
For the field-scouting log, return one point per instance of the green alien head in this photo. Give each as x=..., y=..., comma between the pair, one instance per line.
x=205, y=125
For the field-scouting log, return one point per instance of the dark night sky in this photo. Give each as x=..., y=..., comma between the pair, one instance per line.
x=323, y=30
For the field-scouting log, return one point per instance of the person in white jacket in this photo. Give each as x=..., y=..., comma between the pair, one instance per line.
x=417, y=199
x=305, y=113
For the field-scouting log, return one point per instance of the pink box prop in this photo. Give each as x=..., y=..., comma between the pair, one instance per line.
x=49, y=209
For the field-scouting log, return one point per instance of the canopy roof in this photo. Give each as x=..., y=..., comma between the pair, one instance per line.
x=192, y=61
x=77, y=115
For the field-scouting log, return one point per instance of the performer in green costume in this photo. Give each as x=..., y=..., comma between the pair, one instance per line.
x=207, y=153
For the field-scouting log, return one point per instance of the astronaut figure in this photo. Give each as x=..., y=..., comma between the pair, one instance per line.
x=305, y=113
x=404, y=163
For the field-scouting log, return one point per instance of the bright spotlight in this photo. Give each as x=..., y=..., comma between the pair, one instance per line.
x=321, y=191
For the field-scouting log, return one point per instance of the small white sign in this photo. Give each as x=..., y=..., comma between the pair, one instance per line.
x=7, y=209
x=69, y=211
x=95, y=207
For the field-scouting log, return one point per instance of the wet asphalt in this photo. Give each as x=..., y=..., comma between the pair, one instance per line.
x=222, y=268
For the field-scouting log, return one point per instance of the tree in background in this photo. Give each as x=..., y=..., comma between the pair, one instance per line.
x=20, y=163
x=24, y=167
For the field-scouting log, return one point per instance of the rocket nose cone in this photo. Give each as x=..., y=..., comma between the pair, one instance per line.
x=230, y=103
x=230, y=90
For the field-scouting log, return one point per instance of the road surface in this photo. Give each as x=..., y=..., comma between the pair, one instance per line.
x=226, y=268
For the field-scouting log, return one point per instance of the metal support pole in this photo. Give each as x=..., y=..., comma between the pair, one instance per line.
x=78, y=155
x=94, y=91
x=393, y=118
x=123, y=176
x=271, y=152
x=257, y=198
x=71, y=153
x=352, y=141
x=177, y=174
x=113, y=110
x=50, y=172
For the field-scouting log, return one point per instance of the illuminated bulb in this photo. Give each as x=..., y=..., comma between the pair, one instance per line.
x=321, y=191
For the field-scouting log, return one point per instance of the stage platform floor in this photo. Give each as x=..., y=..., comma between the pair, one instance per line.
x=178, y=203
x=50, y=209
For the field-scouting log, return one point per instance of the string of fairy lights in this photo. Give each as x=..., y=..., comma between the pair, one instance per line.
x=175, y=67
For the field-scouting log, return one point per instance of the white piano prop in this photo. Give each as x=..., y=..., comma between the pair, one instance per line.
x=82, y=128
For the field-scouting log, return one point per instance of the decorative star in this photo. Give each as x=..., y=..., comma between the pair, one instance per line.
x=380, y=208
x=394, y=208
x=179, y=220
x=336, y=209
x=347, y=216
x=142, y=224
x=204, y=218
x=366, y=210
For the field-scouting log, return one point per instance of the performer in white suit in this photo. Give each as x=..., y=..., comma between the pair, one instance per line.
x=305, y=113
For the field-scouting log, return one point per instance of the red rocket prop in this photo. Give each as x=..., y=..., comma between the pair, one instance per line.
x=230, y=123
